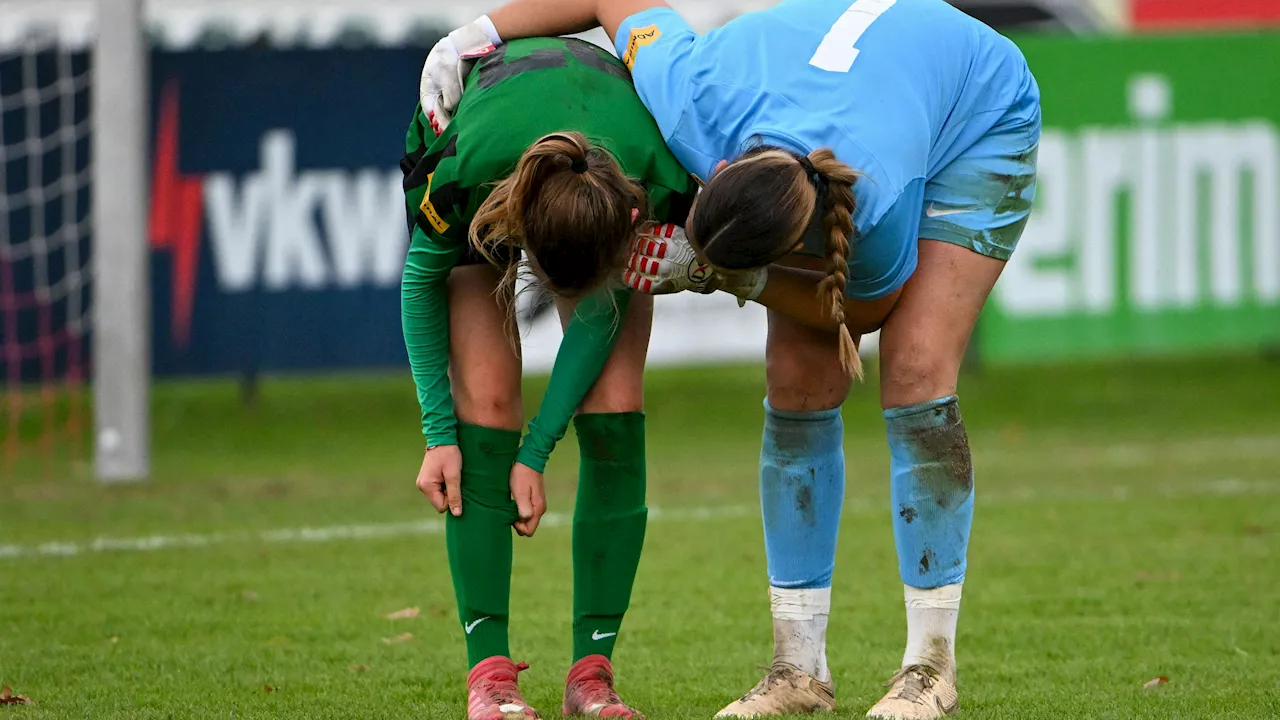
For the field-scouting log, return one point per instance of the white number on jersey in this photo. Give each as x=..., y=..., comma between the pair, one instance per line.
x=837, y=51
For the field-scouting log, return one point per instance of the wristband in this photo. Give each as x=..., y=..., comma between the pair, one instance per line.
x=760, y=278
x=485, y=24
x=748, y=285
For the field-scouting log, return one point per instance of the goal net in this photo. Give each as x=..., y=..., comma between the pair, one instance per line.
x=44, y=250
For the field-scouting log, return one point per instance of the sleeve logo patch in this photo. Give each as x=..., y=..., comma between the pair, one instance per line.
x=429, y=210
x=639, y=38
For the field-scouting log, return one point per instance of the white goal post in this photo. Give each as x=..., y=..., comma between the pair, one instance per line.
x=121, y=301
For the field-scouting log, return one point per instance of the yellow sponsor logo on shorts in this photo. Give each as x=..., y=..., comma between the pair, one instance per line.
x=639, y=38
x=429, y=210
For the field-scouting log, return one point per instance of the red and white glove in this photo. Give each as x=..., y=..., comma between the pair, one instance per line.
x=663, y=262
x=448, y=64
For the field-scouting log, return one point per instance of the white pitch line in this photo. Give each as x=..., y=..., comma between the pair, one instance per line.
x=435, y=526
x=330, y=533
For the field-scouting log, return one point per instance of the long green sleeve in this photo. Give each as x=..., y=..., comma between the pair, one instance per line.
x=587, y=343
x=424, y=315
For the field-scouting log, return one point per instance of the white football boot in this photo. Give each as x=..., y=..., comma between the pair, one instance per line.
x=784, y=690
x=917, y=692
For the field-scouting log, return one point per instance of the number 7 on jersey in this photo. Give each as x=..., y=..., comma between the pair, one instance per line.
x=836, y=53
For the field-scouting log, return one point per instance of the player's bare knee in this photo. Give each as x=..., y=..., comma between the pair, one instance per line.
x=915, y=377
x=802, y=367
x=618, y=396
x=800, y=398
x=798, y=383
x=489, y=408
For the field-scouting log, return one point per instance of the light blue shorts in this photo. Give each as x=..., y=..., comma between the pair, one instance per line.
x=982, y=199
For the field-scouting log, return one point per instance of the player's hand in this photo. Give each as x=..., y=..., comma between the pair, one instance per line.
x=530, y=496
x=662, y=262
x=440, y=478
x=448, y=64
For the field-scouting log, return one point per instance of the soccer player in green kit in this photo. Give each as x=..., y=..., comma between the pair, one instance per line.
x=550, y=153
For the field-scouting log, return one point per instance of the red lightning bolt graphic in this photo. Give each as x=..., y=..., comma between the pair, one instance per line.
x=176, y=213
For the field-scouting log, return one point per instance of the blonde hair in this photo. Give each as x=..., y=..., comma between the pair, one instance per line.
x=755, y=211
x=570, y=205
x=837, y=223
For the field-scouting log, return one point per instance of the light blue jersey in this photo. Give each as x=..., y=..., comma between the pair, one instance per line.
x=936, y=112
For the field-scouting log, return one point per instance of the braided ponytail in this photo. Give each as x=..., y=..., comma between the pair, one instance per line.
x=837, y=223
x=757, y=210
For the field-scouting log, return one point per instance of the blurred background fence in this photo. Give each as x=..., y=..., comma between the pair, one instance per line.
x=277, y=235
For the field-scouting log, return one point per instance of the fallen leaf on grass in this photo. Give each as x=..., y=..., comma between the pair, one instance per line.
x=8, y=698
x=1254, y=530
x=401, y=638
x=268, y=688
x=359, y=668
x=405, y=614
x=249, y=595
x=1155, y=682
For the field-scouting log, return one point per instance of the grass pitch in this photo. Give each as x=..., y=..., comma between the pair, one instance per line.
x=1127, y=528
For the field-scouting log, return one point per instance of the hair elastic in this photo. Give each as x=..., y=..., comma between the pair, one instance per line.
x=818, y=179
x=579, y=166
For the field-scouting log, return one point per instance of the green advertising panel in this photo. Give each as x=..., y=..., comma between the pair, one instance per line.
x=1156, y=226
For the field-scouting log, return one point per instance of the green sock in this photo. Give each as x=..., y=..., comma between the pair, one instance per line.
x=608, y=527
x=479, y=541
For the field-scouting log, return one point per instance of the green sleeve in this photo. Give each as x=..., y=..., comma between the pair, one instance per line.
x=424, y=314
x=586, y=346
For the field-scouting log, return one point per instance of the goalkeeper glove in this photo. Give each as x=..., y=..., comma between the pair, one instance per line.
x=662, y=262
x=448, y=64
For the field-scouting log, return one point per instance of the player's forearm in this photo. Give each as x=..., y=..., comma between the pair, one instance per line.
x=794, y=293
x=424, y=314
x=586, y=346
x=538, y=18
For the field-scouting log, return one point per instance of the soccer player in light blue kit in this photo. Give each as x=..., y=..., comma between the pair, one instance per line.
x=869, y=165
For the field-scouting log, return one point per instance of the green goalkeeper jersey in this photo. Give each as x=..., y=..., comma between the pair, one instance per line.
x=521, y=92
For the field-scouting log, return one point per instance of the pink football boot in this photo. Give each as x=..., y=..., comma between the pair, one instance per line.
x=493, y=693
x=589, y=691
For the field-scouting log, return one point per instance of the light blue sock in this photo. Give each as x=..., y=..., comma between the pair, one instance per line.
x=801, y=495
x=931, y=490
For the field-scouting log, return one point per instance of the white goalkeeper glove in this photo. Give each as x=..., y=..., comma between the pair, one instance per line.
x=448, y=64
x=662, y=262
